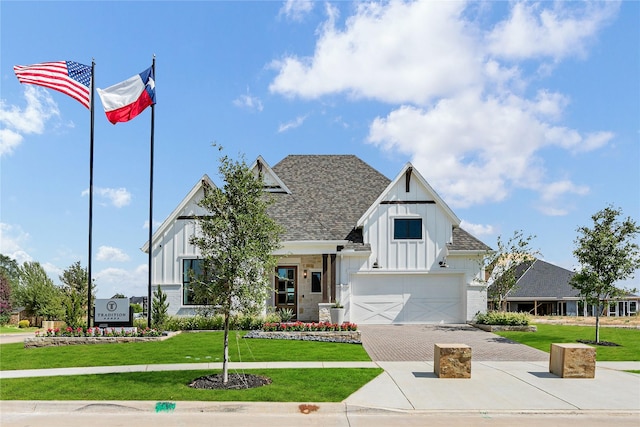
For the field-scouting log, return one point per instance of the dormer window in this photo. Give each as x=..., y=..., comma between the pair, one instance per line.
x=407, y=228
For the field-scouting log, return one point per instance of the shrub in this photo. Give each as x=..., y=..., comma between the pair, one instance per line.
x=23, y=324
x=503, y=318
x=216, y=322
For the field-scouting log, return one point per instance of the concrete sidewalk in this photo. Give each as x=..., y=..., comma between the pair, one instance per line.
x=412, y=386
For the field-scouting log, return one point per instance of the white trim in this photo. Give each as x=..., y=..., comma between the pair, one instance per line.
x=309, y=247
x=267, y=170
x=171, y=219
x=447, y=210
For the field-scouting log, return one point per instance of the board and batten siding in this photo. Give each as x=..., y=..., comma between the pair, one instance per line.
x=170, y=249
x=407, y=254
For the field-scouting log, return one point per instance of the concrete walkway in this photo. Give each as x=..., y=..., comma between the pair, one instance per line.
x=406, y=385
x=411, y=386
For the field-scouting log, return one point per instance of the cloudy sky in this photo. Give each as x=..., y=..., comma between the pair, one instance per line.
x=521, y=115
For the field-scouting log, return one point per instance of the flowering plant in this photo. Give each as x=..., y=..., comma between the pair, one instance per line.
x=313, y=326
x=100, y=332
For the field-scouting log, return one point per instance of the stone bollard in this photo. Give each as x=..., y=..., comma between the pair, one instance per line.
x=572, y=360
x=452, y=360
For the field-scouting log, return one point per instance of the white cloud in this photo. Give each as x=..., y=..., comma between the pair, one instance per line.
x=108, y=253
x=248, y=102
x=460, y=112
x=111, y=281
x=12, y=242
x=394, y=52
x=557, y=32
x=30, y=120
x=118, y=197
x=296, y=10
x=297, y=122
x=477, y=229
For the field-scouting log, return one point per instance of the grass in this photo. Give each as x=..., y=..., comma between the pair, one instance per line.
x=183, y=348
x=628, y=339
x=288, y=385
x=12, y=329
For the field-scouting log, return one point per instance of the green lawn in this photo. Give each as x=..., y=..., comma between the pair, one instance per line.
x=288, y=385
x=11, y=329
x=183, y=348
x=313, y=385
x=629, y=340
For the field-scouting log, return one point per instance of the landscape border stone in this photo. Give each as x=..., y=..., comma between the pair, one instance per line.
x=497, y=328
x=38, y=342
x=350, y=337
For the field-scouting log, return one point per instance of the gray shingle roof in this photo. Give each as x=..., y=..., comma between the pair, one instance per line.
x=463, y=241
x=329, y=194
x=543, y=280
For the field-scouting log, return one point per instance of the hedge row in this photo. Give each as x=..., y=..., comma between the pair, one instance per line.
x=503, y=318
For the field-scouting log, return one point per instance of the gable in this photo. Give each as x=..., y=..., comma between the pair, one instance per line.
x=410, y=188
x=187, y=208
x=271, y=182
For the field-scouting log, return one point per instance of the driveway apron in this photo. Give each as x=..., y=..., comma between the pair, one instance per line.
x=398, y=343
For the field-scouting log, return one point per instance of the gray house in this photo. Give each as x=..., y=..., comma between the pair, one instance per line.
x=543, y=289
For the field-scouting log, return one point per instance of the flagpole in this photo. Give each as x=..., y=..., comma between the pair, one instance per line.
x=153, y=110
x=93, y=67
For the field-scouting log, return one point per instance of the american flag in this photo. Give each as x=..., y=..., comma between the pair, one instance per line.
x=68, y=77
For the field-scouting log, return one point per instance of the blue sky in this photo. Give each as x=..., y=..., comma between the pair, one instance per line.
x=522, y=116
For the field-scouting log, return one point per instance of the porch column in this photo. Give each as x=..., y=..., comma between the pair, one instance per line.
x=325, y=290
x=333, y=277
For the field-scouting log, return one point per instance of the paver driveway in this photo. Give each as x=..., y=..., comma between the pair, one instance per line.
x=415, y=343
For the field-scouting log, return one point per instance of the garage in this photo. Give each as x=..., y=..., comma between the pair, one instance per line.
x=397, y=298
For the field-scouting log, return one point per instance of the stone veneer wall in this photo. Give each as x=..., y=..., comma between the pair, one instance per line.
x=37, y=342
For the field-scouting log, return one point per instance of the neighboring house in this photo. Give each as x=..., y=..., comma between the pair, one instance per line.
x=391, y=251
x=543, y=289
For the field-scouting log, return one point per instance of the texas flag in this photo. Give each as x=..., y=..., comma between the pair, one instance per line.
x=125, y=100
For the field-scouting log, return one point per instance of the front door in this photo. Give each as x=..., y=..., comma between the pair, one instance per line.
x=286, y=289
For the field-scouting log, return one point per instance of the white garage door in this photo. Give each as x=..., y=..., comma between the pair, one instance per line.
x=406, y=299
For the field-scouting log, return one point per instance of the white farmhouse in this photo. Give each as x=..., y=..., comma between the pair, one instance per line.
x=389, y=251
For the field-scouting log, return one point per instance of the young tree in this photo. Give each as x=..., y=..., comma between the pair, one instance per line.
x=502, y=263
x=37, y=293
x=236, y=242
x=159, y=308
x=75, y=280
x=607, y=253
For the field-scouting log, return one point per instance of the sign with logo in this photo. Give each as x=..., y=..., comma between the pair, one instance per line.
x=112, y=310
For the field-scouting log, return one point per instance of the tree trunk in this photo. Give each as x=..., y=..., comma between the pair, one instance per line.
x=598, y=323
x=225, y=367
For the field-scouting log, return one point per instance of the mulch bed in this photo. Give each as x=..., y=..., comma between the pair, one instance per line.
x=235, y=382
x=602, y=343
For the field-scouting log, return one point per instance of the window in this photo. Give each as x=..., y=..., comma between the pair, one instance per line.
x=316, y=281
x=190, y=268
x=407, y=228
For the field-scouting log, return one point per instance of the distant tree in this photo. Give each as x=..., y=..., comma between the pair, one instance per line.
x=159, y=308
x=501, y=265
x=118, y=295
x=10, y=269
x=75, y=281
x=37, y=293
x=5, y=300
x=607, y=253
x=236, y=240
x=137, y=308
